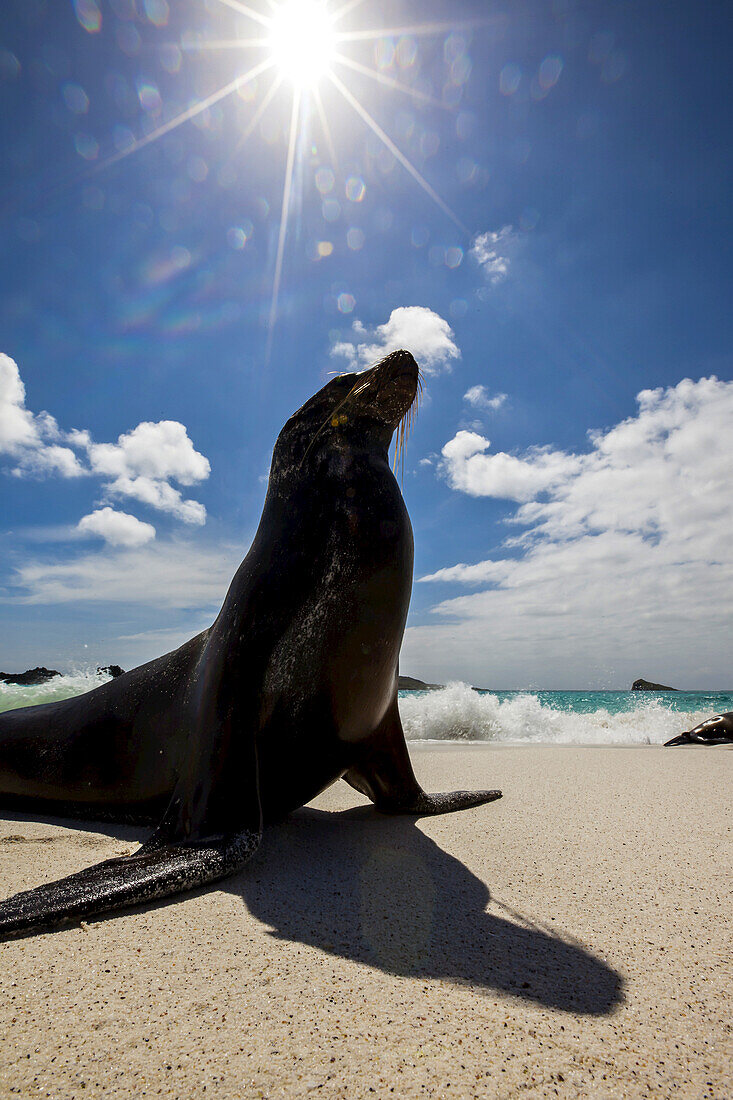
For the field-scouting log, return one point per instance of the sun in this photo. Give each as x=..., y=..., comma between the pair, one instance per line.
x=303, y=44
x=303, y=41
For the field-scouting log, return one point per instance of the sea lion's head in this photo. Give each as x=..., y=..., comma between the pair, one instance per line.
x=352, y=413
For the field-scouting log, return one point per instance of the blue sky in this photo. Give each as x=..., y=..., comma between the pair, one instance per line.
x=562, y=252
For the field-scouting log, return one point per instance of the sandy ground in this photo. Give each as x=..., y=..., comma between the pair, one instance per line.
x=572, y=940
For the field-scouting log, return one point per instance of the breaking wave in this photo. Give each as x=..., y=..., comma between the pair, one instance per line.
x=459, y=713
x=77, y=682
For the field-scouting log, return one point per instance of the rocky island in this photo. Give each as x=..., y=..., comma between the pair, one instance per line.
x=409, y=683
x=645, y=685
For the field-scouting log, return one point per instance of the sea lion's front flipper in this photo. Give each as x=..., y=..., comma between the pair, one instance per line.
x=384, y=774
x=682, y=739
x=129, y=880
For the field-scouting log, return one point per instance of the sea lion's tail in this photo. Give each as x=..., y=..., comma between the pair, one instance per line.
x=146, y=875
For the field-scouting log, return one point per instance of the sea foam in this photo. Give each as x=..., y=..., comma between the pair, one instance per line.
x=459, y=713
x=77, y=682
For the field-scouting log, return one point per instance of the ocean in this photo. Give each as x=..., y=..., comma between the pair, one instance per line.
x=459, y=713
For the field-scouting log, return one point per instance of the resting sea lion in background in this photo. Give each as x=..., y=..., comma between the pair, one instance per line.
x=713, y=731
x=293, y=687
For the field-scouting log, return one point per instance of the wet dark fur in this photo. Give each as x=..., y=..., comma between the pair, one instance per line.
x=717, y=730
x=293, y=687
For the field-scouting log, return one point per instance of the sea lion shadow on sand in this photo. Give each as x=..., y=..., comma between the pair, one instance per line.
x=379, y=891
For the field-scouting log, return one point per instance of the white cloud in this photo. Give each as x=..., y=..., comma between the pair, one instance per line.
x=143, y=461
x=155, y=451
x=480, y=398
x=17, y=426
x=48, y=459
x=141, y=464
x=116, y=528
x=492, y=250
x=160, y=495
x=623, y=568
x=416, y=328
x=468, y=469
x=32, y=441
x=160, y=575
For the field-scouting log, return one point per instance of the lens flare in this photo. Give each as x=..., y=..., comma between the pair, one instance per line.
x=302, y=41
x=303, y=44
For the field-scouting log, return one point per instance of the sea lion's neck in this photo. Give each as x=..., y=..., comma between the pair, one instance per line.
x=348, y=513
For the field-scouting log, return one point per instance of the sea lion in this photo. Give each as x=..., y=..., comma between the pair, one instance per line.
x=713, y=731
x=293, y=687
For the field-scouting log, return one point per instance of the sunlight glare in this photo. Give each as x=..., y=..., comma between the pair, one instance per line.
x=302, y=41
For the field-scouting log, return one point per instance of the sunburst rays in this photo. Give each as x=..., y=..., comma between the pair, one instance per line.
x=267, y=24
x=393, y=148
x=287, y=188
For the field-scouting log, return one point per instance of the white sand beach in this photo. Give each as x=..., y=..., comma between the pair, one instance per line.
x=572, y=940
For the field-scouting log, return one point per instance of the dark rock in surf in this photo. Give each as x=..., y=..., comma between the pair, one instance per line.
x=31, y=678
x=112, y=670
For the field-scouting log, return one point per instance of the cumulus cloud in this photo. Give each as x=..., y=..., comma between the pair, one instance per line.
x=160, y=495
x=416, y=328
x=480, y=398
x=33, y=442
x=139, y=466
x=491, y=251
x=142, y=462
x=623, y=566
x=155, y=451
x=116, y=528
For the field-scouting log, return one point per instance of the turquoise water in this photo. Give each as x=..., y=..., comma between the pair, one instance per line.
x=458, y=713
x=617, y=702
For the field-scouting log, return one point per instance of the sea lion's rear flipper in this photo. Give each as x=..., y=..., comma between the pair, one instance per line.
x=129, y=880
x=212, y=826
x=384, y=774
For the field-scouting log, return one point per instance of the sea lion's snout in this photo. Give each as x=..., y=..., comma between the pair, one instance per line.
x=366, y=408
x=399, y=366
x=396, y=382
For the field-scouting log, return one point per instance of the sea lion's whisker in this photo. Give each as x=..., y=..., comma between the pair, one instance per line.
x=405, y=427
